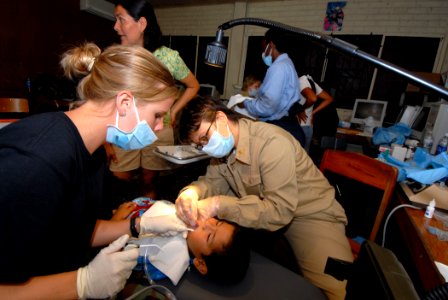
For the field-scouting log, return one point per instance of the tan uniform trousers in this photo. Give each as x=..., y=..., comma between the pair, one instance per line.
x=313, y=239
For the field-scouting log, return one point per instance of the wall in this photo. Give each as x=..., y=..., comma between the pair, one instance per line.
x=35, y=33
x=33, y=36
x=394, y=17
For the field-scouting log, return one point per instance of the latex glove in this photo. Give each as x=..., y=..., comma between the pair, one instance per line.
x=165, y=225
x=208, y=208
x=187, y=207
x=107, y=273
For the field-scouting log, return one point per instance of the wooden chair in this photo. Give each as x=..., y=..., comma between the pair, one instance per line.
x=364, y=187
x=12, y=109
x=14, y=105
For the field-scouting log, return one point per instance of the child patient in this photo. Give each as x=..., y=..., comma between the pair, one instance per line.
x=251, y=84
x=219, y=248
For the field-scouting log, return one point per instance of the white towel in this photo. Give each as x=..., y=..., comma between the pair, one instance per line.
x=237, y=99
x=168, y=254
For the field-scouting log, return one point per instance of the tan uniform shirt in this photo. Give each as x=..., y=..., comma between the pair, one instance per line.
x=268, y=165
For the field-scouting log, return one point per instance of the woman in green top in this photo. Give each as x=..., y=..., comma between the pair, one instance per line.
x=136, y=24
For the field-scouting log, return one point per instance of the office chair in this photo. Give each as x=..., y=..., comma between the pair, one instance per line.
x=364, y=187
x=378, y=274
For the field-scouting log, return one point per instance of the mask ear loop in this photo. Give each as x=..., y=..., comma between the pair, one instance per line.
x=135, y=109
x=228, y=129
x=117, y=115
x=270, y=50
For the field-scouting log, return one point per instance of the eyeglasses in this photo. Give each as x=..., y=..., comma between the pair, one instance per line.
x=203, y=140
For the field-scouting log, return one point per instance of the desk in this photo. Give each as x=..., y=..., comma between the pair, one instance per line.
x=358, y=138
x=353, y=136
x=423, y=247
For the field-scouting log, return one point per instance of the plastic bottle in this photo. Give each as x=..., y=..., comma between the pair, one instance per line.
x=430, y=209
x=410, y=152
x=442, y=145
x=428, y=140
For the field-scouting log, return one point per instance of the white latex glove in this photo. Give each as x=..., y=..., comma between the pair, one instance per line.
x=165, y=225
x=208, y=208
x=187, y=206
x=107, y=273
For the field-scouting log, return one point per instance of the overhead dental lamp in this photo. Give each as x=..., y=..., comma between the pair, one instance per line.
x=216, y=51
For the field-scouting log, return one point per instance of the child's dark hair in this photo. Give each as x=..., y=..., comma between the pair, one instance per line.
x=230, y=266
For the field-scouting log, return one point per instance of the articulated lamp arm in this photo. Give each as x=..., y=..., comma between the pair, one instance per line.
x=216, y=51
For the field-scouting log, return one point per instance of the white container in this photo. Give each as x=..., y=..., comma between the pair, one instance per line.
x=430, y=209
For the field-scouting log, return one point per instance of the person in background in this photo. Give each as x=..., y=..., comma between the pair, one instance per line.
x=310, y=92
x=280, y=88
x=52, y=178
x=136, y=24
x=219, y=249
x=249, y=90
x=261, y=178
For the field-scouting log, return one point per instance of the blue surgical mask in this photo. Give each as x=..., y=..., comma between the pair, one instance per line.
x=253, y=92
x=219, y=146
x=138, y=138
x=267, y=59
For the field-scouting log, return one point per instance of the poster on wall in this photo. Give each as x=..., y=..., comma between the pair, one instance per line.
x=334, y=16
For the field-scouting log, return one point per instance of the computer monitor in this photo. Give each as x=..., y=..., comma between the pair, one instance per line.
x=208, y=90
x=431, y=115
x=416, y=117
x=365, y=108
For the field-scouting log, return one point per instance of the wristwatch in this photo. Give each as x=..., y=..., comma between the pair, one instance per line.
x=134, y=231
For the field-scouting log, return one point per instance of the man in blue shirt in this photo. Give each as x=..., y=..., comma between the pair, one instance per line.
x=280, y=88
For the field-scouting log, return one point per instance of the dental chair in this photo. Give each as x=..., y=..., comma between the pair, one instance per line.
x=265, y=280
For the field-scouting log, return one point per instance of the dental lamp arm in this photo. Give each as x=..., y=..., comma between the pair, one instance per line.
x=331, y=42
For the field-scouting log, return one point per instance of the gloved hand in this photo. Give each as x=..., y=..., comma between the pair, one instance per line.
x=107, y=273
x=187, y=206
x=208, y=208
x=165, y=225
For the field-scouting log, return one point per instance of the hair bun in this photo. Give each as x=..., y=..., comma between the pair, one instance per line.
x=79, y=61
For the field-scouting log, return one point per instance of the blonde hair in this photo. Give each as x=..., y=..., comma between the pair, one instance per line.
x=117, y=68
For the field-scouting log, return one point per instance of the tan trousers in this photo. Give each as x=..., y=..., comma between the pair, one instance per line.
x=315, y=238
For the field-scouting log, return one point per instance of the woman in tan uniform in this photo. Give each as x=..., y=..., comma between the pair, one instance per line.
x=262, y=178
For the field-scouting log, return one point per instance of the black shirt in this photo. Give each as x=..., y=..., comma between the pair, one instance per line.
x=50, y=193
